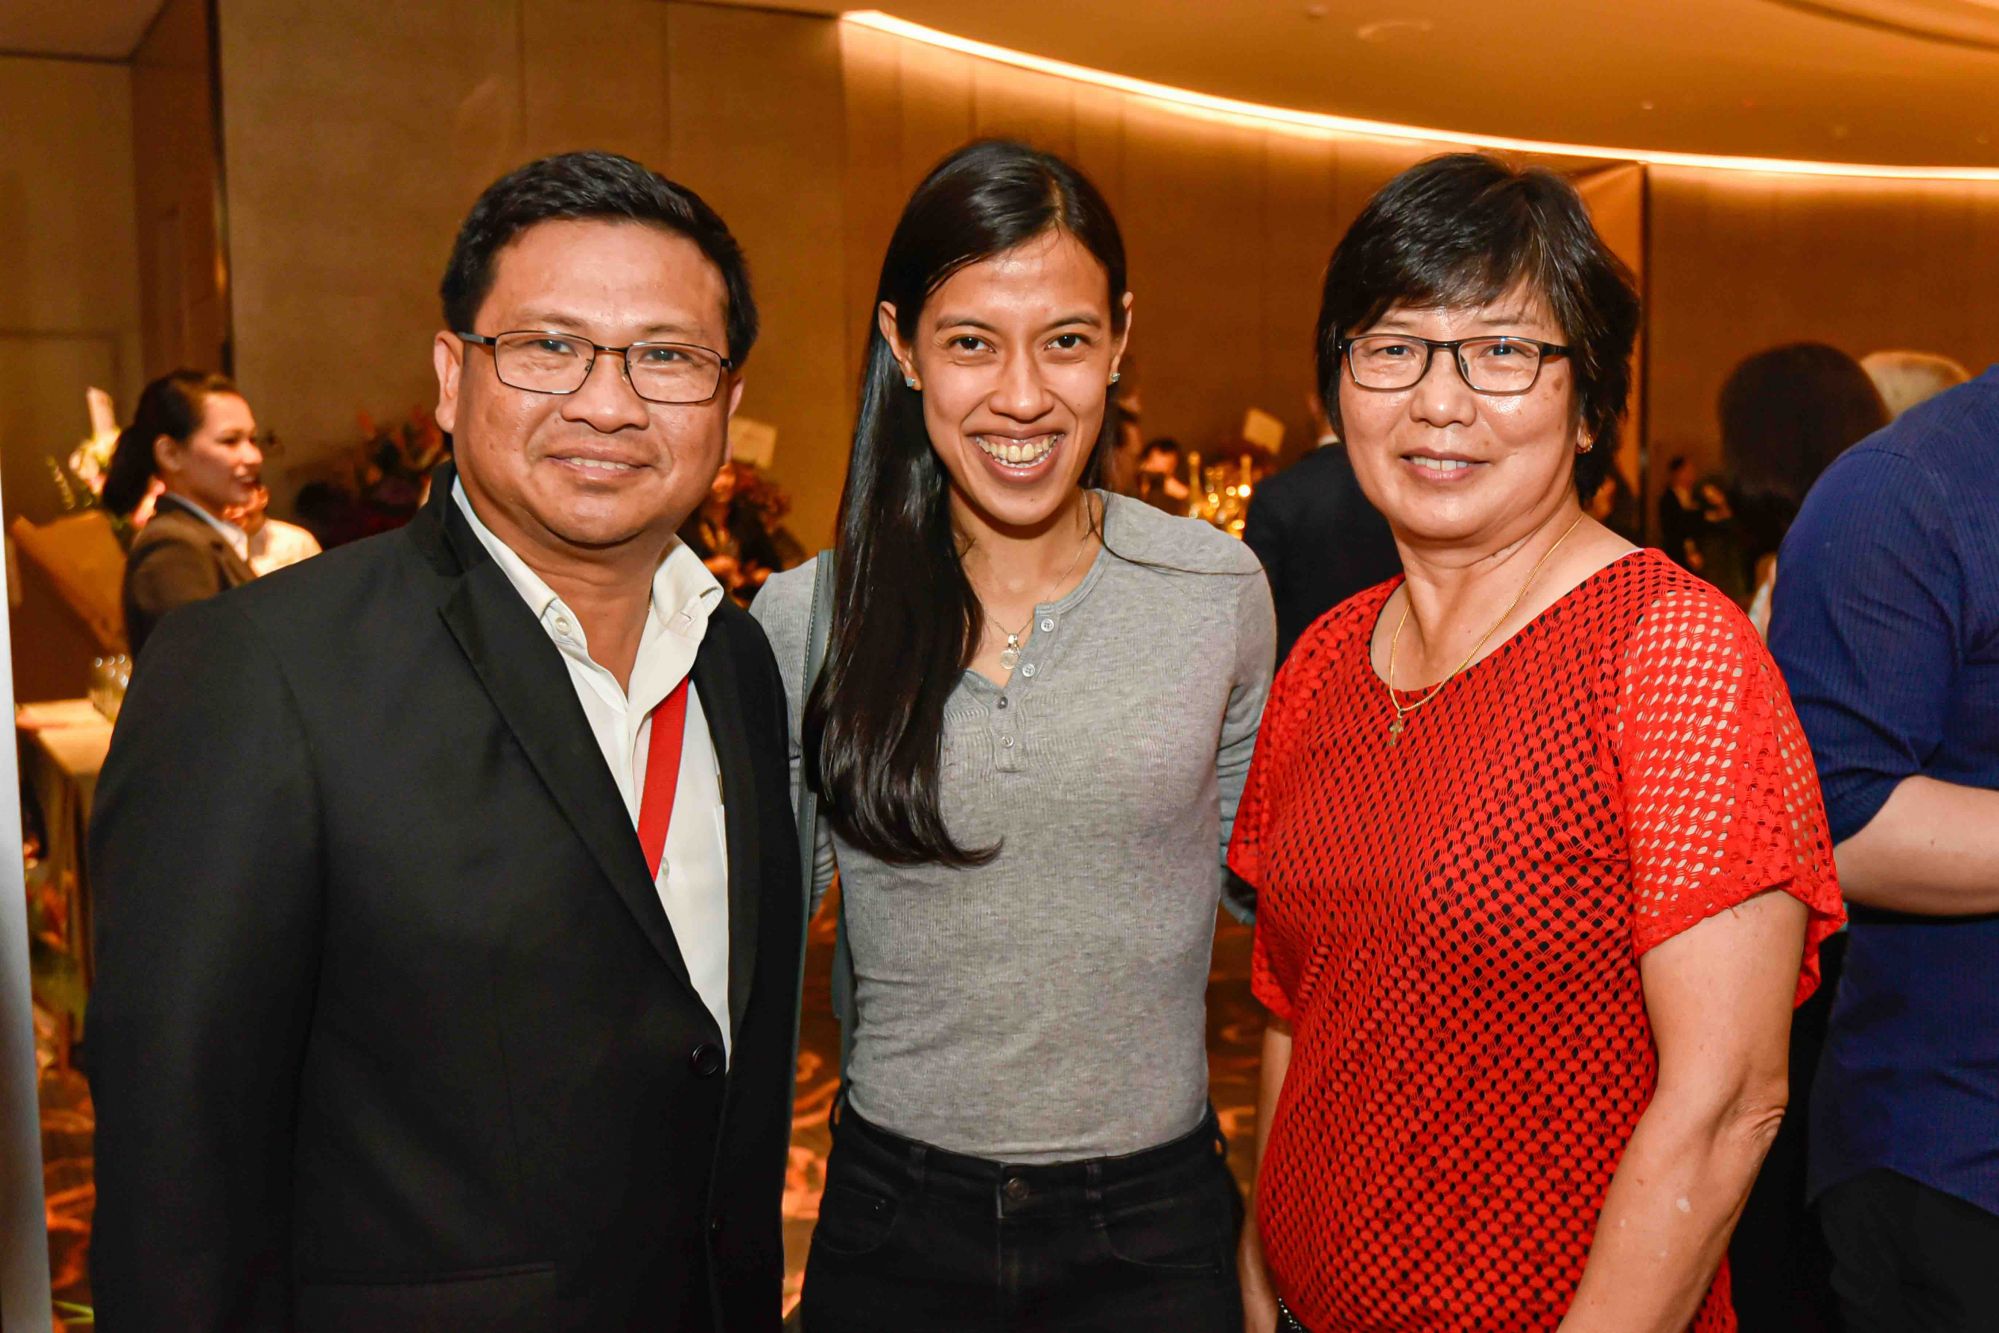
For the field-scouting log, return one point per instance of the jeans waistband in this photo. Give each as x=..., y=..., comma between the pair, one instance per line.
x=1018, y=1186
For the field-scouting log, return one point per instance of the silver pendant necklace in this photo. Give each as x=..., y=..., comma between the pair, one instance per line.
x=1009, y=656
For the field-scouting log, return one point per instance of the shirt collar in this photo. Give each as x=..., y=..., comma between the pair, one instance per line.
x=239, y=540
x=684, y=592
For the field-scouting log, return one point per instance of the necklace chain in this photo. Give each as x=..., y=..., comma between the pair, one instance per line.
x=1010, y=654
x=1402, y=710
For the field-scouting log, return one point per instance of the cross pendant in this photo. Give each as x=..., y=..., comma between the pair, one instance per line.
x=1395, y=729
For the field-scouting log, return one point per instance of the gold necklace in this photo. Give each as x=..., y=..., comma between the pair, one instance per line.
x=1402, y=710
x=1009, y=657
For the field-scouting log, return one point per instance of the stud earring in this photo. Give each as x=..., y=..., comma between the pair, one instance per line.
x=909, y=380
x=1116, y=375
x=1585, y=446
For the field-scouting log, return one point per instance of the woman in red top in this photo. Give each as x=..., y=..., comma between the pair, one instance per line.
x=1541, y=861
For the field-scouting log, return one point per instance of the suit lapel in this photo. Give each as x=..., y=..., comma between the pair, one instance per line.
x=524, y=676
x=722, y=705
x=183, y=517
x=237, y=569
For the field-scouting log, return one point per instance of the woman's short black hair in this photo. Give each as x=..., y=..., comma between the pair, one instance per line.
x=584, y=186
x=1463, y=229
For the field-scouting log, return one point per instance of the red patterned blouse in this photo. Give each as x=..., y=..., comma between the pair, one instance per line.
x=1452, y=925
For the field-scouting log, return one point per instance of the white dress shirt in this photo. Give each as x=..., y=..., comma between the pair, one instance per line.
x=693, y=881
x=278, y=544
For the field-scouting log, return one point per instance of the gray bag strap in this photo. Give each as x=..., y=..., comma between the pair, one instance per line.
x=818, y=629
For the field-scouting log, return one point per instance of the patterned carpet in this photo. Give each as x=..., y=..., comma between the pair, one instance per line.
x=1235, y=1026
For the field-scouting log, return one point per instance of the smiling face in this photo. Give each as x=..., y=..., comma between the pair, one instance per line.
x=600, y=473
x=1452, y=467
x=1013, y=355
x=219, y=466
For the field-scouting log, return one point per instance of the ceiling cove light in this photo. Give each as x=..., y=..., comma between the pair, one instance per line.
x=1316, y=124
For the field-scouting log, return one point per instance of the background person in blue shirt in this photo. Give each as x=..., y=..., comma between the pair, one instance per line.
x=1886, y=623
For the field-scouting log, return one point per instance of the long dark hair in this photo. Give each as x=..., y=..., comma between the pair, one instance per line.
x=171, y=405
x=905, y=616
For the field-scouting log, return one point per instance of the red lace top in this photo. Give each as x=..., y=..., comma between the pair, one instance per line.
x=1452, y=925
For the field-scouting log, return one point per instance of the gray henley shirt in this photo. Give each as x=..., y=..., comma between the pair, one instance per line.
x=1051, y=1005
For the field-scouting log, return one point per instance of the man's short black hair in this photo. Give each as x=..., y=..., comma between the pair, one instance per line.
x=584, y=186
x=1463, y=229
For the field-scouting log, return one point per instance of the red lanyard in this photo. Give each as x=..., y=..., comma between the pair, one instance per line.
x=669, y=734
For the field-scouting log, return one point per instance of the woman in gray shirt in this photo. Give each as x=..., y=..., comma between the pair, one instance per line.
x=1033, y=723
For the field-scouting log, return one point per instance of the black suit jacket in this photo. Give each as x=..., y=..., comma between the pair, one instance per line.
x=177, y=558
x=390, y=1029
x=1319, y=538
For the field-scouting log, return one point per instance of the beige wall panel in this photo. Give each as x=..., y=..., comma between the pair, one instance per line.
x=1616, y=199
x=356, y=136
x=876, y=182
x=1365, y=165
x=937, y=108
x=594, y=77
x=1298, y=185
x=1099, y=147
x=1038, y=109
x=1193, y=223
x=69, y=308
x=1741, y=263
x=181, y=277
x=772, y=166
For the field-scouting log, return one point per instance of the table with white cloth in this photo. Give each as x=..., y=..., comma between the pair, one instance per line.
x=62, y=745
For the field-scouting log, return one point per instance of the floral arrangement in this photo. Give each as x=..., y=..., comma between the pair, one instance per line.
x=762, y=495
x=392, y=463
x=381, y=483
x=79, y=478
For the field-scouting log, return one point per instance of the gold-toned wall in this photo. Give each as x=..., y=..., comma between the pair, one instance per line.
x=69, y=306
x=357, y=135
x=1741, y=263
x=178, y=191
x=1227, y=226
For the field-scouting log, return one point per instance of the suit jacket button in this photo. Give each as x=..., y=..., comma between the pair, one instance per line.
x=714, y=1227
x=707, y=1060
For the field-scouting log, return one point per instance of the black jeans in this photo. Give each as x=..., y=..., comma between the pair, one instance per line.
x=913, y=1237
x=1910, y=1259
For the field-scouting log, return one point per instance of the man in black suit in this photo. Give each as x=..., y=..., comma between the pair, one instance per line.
x=1318, y=536
x=445, y=981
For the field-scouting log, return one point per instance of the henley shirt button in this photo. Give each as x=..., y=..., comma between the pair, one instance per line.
x=1007, y=741
x=1028, y=670
x=1015, y=1189
x=1047, y=625
x=1002, y=702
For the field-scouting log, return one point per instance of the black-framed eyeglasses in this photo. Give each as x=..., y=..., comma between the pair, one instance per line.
x=543, y=361
x=1499, y=365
